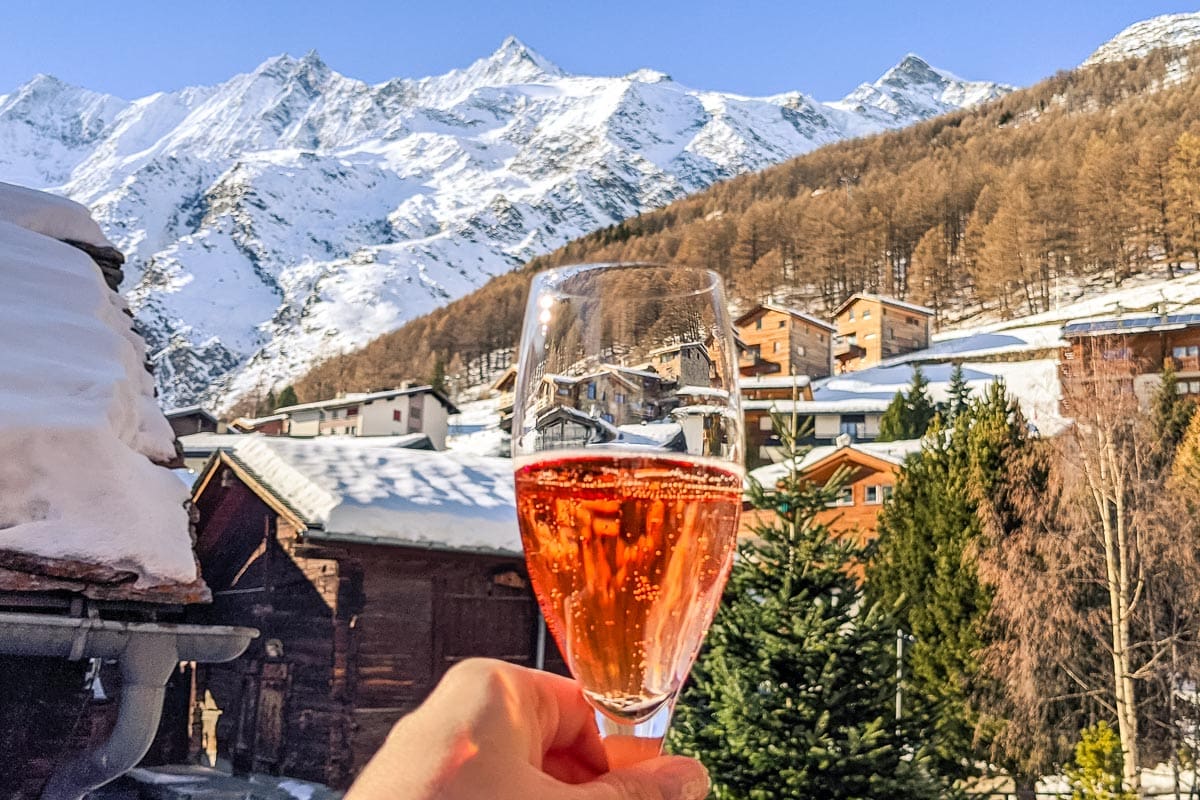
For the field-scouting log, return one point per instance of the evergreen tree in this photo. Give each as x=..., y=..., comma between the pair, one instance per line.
x=794, y=693
x=438, y=379
x=960, y=393
x=287, y=397
x=928, y=533
x=1170, y=414
x=910, y=413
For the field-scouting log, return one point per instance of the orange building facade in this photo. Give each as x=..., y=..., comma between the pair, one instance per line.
x=783, y=341
x=871, y=328
x=869, y=474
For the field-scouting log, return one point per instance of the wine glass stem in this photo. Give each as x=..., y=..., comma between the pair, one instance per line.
x=626, y=744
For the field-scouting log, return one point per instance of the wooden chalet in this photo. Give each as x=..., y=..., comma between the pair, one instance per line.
x=868, y=471
x=369, y=571
x=1133, y=349
x=193, y=419
x=783, y=341
x=871, y=328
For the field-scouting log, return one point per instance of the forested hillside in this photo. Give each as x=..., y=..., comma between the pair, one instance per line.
x=1092, y=175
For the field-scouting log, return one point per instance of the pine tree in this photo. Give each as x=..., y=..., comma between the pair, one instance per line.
x=287, y=397
x=794, y=693
x=928, y=533
x=959, y=393
x=910, y=413
x=1170, y=414
x=438, y=379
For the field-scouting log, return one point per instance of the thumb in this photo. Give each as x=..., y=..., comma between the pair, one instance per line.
x=663, y=778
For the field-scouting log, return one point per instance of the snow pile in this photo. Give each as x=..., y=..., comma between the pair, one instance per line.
x=475, y=430
x=355, y=489
x=78, y=422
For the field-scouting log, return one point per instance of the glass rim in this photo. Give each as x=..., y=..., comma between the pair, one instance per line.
x=547, y=278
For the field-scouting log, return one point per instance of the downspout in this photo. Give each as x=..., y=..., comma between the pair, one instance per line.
x=147, y=653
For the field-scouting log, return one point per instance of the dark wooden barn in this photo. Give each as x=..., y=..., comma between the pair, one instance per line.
x=360, y=613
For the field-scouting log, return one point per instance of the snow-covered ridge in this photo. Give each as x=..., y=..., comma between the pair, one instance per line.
x=291, y=213
x=1142, y=38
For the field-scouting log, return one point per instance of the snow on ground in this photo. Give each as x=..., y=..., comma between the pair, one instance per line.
x=78, y=421
x=352, y=487
x=476, y=430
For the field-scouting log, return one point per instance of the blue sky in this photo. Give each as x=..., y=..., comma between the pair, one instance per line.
x=753, y=47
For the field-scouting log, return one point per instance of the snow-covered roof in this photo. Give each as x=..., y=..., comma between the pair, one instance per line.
x=79, y=425
x=887, y=301
x=850, y=404
x=251, y=422
x=355, y=398
x=701, y=391
x=185, y=411
x=775, y=382
x=1140, y=323
x=891, y=452
x=353, y=489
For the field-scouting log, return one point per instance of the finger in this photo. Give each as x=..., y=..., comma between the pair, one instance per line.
x=663, y=778
x=567, y=723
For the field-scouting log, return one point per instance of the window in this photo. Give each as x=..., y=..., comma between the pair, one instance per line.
x=855, y=425
x=1181, y=388
x=851, y=316
x=800, y=350
x=396, y=415
x=866, y=313
x=820, y=337
x=353, y=431
x=775, y=347
x=1193, y=351
x=845, y=497
x=873, y=495
x=591, y=391
x=758, y=324
x=1194, y=387
x=352, y=411
x=870, y=336
x=619, y=398
x=783, y=323
x=912, y=321
x=664, y=358
x=887, y=493
x=765, y=423
x=1179, y=352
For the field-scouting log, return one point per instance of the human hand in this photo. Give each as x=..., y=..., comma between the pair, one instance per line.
x=495, y=731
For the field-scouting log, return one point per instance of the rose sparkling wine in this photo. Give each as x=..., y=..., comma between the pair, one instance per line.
x=627, y=443
x=628, y=556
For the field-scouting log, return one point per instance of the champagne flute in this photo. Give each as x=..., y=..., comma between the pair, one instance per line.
x=627, y=443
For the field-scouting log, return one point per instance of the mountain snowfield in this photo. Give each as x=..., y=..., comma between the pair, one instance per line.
x=292, y=213
x=1141, y=38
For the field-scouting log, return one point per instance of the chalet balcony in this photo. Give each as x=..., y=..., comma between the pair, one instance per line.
x=1186, y=363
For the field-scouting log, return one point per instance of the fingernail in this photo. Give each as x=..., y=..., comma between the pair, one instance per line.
x=682, y=779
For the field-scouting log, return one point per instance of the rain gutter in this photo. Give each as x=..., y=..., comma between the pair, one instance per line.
x=148, y=652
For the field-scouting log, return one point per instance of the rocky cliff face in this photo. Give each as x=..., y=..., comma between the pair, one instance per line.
x=291, y=213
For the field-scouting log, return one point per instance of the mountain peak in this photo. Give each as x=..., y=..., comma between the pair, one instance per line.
x=1141, y=38
x=516, y=57
x=912, y=69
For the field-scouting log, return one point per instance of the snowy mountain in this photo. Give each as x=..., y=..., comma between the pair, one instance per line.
x=1139, y=39
x=292, y=213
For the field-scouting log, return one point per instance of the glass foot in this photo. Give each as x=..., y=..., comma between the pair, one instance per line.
x=627, y=744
